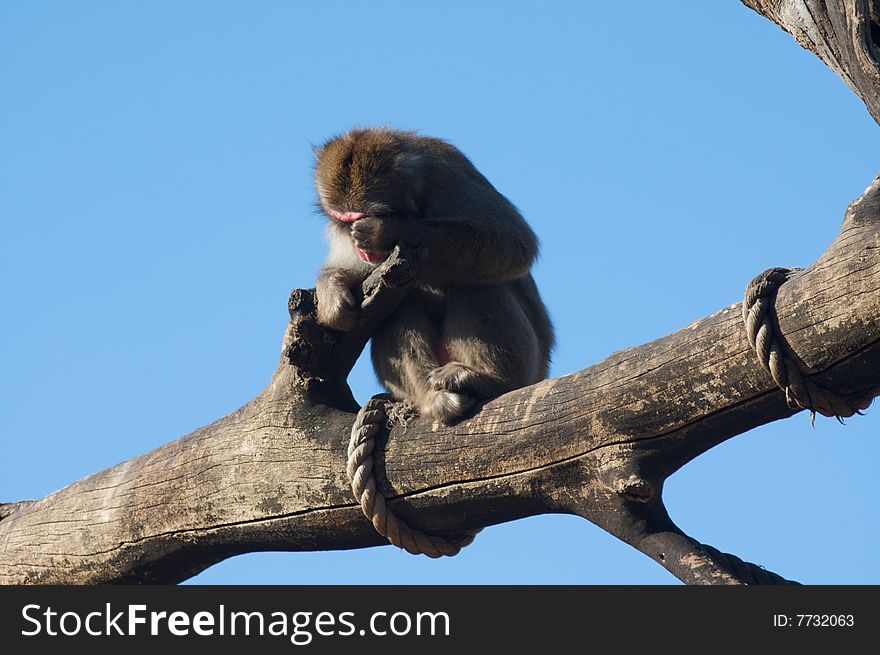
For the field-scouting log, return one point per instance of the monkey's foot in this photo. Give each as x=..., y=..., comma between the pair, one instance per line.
x=455, y=389
x=447, y=406
x=453, y=377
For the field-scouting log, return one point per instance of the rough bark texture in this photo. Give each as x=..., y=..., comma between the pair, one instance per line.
x=598, y=443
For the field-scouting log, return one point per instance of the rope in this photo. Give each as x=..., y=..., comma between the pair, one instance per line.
x=762, y=329
x=751, y=574
x=369, y=421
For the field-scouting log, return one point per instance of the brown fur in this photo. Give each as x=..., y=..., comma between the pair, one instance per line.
x=476, y=327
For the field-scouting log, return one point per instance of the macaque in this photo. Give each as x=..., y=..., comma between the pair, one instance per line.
x=474, y=327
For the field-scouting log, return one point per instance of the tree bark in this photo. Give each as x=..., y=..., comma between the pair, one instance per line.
x=598, y=443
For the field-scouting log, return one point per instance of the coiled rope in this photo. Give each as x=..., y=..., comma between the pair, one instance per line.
x=750, y=574
x=762, y=329
x=370, y=419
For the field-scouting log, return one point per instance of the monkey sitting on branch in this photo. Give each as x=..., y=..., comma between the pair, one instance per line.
x=474, y=327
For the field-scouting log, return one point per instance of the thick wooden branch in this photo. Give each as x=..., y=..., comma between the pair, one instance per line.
x=598, y=443
x=845, y=34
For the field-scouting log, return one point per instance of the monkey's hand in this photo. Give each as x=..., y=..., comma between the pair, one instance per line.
x=337, y=305
x=375, y=237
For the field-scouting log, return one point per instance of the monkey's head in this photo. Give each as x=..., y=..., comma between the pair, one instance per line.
x=373, y=172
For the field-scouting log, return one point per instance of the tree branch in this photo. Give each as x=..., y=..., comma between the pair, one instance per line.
x=597, y=443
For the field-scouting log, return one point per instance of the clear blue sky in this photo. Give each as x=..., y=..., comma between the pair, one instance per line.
x=157, y=208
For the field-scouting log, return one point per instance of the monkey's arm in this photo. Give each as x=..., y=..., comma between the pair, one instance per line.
x=473, y=233
x=489, y=250
x=338, y=286
x=471, y=251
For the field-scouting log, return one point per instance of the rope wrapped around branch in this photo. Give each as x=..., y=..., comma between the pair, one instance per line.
x=370, y=419
x=762, y=329
x=747, y=572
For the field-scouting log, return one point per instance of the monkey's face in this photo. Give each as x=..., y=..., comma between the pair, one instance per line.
x=367, y=185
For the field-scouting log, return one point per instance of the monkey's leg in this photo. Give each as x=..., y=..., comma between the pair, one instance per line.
x=491, y=343
x=404, y=350
x=407, y=349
